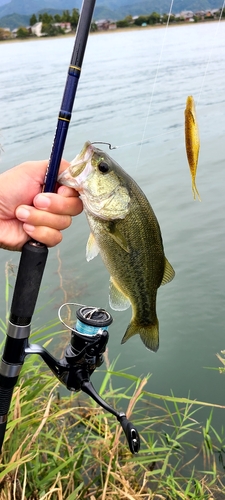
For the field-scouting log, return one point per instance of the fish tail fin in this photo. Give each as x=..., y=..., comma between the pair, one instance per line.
x=149, y=334
x=195, y=191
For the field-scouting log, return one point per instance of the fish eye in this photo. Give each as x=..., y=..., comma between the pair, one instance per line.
x=103, y=167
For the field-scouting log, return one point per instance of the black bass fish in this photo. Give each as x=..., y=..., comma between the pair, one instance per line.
x=125, y=231
x=192, y=141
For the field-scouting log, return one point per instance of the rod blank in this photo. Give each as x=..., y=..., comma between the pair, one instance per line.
x=34, y=254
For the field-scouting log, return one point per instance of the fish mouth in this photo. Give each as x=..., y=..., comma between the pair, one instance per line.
x=79, y=167
x=80, y=160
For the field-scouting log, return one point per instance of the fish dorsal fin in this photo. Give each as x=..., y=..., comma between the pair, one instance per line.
x=169, y=273
x=114, y=232
x=117, y=300
x=92, y=249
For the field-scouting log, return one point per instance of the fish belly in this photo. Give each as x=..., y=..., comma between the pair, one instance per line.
x=137, y=272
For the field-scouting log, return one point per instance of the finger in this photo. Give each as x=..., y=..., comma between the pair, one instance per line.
x=50, y=237
x=35, y=217
x=35, y=170
x=58, y=204
x=67, y=191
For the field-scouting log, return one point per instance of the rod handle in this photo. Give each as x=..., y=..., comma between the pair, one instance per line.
x=29, y=276
x=5, y=400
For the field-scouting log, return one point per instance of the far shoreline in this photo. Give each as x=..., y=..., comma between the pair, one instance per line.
x=112, y=31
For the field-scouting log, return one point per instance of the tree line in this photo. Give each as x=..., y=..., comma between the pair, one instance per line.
x=156, y=18
x=49, y=21
x=50, y=28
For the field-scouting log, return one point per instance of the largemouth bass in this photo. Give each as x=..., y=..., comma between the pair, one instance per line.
x=125, y=231
x=192, y=141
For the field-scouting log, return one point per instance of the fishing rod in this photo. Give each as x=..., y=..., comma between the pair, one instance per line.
x=90, y=334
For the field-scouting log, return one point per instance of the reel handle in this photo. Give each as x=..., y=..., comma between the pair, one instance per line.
x=131, y=433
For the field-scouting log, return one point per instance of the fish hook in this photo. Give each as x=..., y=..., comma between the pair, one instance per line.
x=108, y=144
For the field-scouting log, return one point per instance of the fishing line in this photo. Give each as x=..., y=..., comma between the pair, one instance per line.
x=154, y=83
x=210, y=55
x=136, y=143
x=143, y=141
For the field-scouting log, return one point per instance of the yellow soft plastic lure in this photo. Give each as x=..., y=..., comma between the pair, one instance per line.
x=192, y=141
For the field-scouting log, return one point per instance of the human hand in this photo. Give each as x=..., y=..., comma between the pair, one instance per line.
x=26, y=212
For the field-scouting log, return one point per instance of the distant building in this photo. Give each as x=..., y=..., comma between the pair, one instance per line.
x=65, y=26
x=211, y=13
x=36, y=29
x=105, y=24
x=5, y=33
x=102, y=24
x=112, y=26
x=200, y=14
x=187, y=14
x=14, y=32
x=215, y=12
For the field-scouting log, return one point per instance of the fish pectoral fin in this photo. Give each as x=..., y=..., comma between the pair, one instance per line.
x=117, y=300
x=92, y=249
x=114, y=232
x=169, y=273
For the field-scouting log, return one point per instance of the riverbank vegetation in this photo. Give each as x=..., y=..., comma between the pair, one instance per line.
x=156, y=19
x=53, y=25
x=64, y=447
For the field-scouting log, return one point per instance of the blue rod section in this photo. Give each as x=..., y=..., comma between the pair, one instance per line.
x=65, y=112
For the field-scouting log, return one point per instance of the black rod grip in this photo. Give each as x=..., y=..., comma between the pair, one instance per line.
x=5, y=400
x=29, y=276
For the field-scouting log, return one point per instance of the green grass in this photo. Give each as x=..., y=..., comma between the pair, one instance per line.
x=69, y=448
x=66, y=447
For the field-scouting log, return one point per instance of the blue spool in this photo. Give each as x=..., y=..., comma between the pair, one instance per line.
x=85, y=329
x=91, y=319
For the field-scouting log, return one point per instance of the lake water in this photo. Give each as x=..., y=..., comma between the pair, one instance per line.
x=133, y=88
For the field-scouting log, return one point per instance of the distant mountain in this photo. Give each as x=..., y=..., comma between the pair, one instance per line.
x=28, y=7
x=14, y=21
x=102, y=12
x=50, y=11
x=110, y=9
x=135, y=7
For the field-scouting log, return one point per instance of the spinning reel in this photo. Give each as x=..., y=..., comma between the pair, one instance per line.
x=82, y=356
